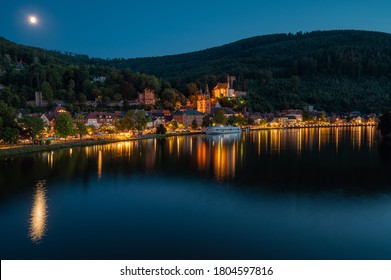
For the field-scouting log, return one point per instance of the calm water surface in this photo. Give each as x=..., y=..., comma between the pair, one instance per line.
x=278, y=194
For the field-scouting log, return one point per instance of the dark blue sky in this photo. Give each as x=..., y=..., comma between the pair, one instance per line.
x=130, y=28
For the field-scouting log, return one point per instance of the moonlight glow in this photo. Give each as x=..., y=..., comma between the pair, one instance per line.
x=33, y=20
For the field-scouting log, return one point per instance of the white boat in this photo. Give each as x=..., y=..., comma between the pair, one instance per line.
x=220, y=129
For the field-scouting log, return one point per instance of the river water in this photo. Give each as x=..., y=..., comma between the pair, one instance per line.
x=316, y=193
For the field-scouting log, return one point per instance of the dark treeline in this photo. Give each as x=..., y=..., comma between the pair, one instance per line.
x=336, y=71
x=24, y=70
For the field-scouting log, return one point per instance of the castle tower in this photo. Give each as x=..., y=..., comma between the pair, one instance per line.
x=38, y=98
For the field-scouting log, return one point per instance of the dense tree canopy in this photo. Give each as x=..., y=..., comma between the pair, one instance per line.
x=161, y=129
x=219, y=118
x=64, y=126
x=80, y=126
x=336, y=71
x=134, y=120
x=32, y=125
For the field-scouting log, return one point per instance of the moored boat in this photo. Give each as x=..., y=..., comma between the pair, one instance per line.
x=220, y=129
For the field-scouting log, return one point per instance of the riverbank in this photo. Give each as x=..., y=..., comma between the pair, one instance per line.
x=27, y=149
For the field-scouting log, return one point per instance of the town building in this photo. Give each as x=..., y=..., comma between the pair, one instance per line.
x=294, y=119
x=159, y=117
x=220, y=90
x=99, y=79
x=159, y=113
x=257, y=117
x=186, y=117
x=48, y=120
x=102, y=118
x=116, y=104
x=185, y=107
x=293, y=115
x=308, y=108
x=147, y=97
x=280, y=121
x=19, y=66
x=227, y=90
x=59, y=110
x=155, y=122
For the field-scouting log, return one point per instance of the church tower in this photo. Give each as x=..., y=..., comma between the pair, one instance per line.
x=204, y=102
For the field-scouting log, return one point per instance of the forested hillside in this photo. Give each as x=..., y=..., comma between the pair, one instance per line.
x=73, y=79
x=335, y=71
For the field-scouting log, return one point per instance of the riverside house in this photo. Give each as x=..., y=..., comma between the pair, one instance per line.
x=100, y=118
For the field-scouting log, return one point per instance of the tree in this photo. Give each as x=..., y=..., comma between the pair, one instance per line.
x=194, y=124
x=107, y=129
x=141, y=120
x=321, y=117
x=307, y=116
x=81, y=129
x=128, y=121
x=134, y=120
x=82, y=98
x=7, y=115
x=174, y=125
x=47, y=91
x=10, y=97
x=161, y=129
x=91, y=129
x=231, y=120
x=71, y=85
x=168, y=98
x=152, y=82
x=117, y=97
x=33, y=126
x=9, y=131
x=64, y=126
x=206, y=121
x=9, y=135
x=333, y=119
x=219, y=117
x=80, y=126
x=385, y=123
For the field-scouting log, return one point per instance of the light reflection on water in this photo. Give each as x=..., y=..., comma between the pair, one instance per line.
x=38, y=214
x=100, y=160
x=224, y=154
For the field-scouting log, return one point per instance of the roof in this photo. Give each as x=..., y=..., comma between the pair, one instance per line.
x=189, y=112
x=49, y=116
x=227, y=111
x=192, y=112
x=221, y=86
x=59, y=108
x=102, y=115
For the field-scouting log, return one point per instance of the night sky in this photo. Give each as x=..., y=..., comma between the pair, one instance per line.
x=116, y=28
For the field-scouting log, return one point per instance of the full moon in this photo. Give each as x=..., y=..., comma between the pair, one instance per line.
x=33, y=20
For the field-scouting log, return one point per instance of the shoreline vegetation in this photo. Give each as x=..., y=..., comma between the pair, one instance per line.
x=28, y=149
